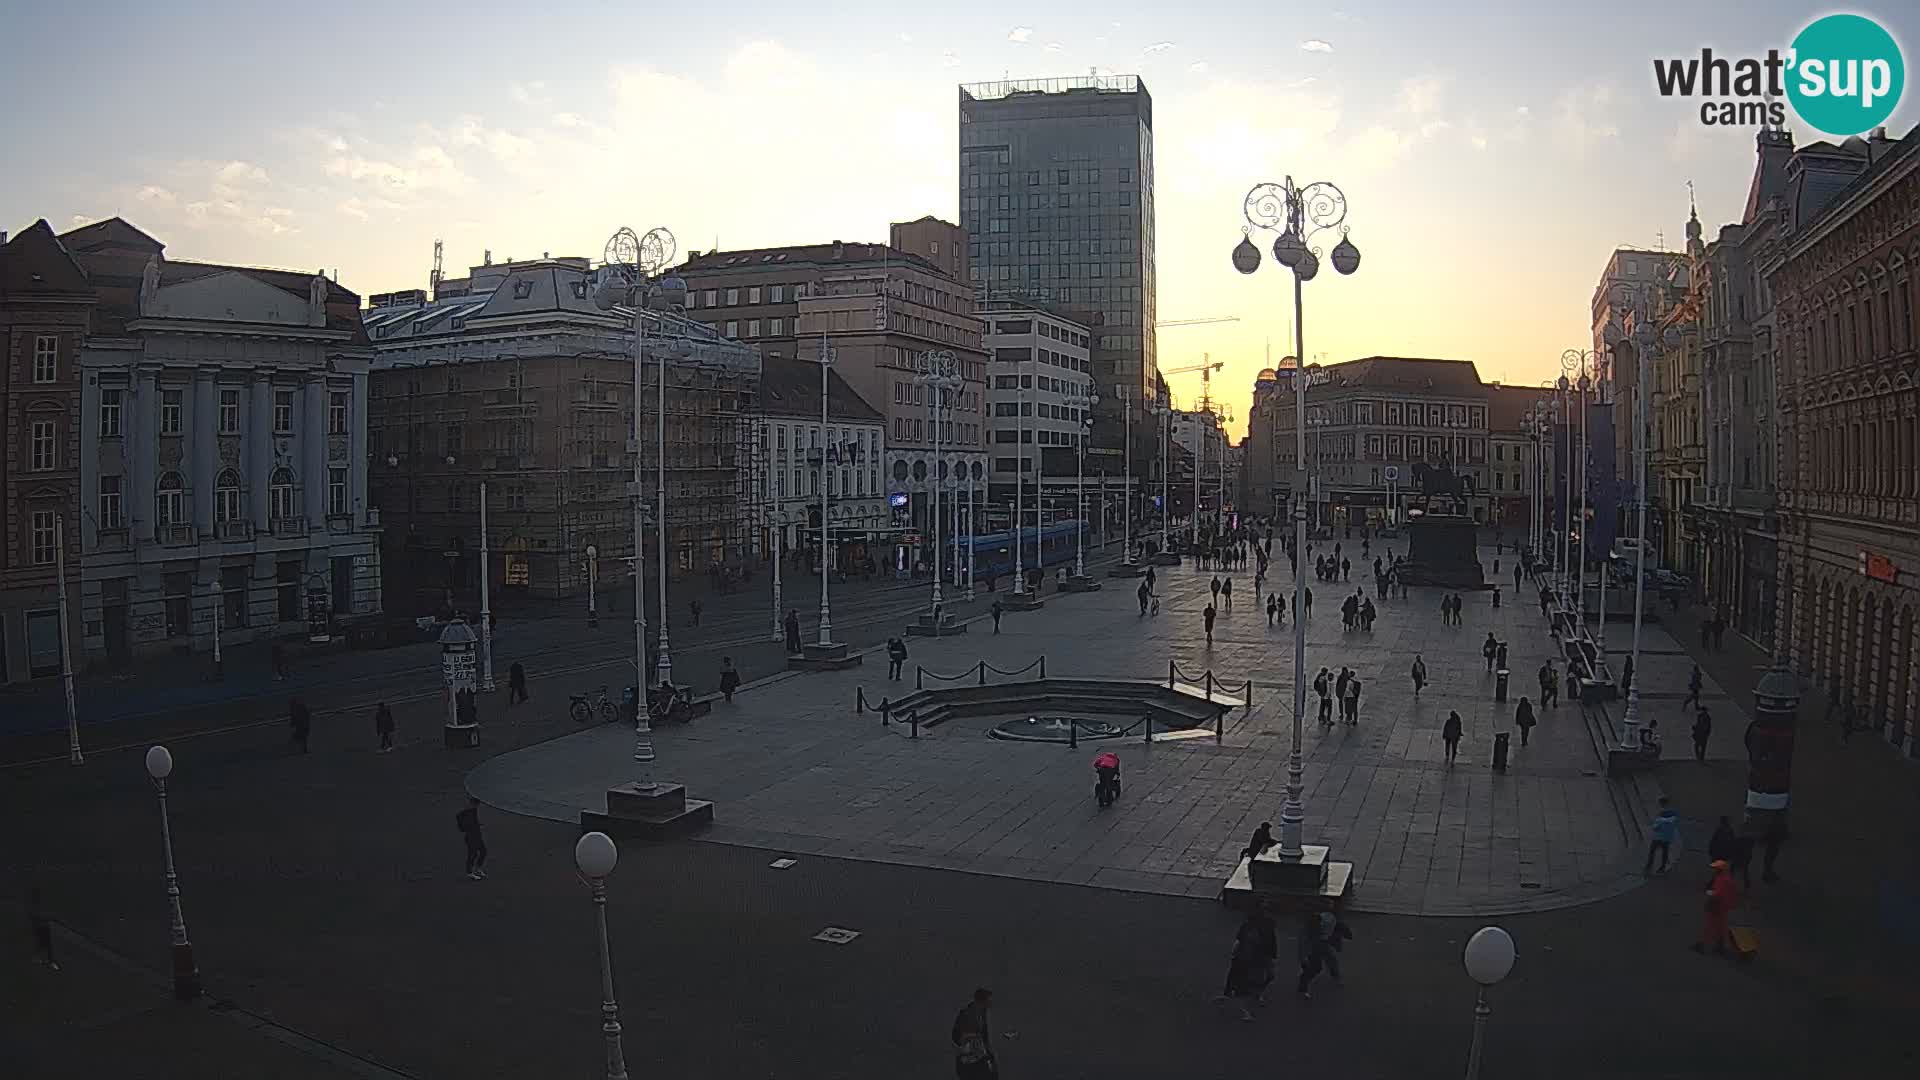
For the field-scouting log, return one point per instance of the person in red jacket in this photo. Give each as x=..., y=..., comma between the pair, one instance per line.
x=1721, y=896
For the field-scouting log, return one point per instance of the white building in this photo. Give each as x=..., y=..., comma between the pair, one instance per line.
x=1039, y=382
x=224, y=462
x=1198, y=432
x=794, y=447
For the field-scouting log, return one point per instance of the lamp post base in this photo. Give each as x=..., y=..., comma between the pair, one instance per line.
x=461, y=736
x=832, y=656
x=1082, y=583
x=186, y=975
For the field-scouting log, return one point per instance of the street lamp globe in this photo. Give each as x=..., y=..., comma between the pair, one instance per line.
x=595, y=855
x=1246, y=257
x=608, y=287
x=1308, y=267
x=393, y=461
x=1489, y=955
x=1346, y=257
x=1289, y=250
x=670, y=294
x=159, y=762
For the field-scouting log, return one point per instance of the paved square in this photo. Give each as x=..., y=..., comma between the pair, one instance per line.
x=792, y=768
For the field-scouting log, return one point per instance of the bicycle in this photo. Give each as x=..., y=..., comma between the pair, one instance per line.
x=582, y=709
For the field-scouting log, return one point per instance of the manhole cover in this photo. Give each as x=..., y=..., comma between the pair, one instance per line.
x=782, y=864
x=836, y=935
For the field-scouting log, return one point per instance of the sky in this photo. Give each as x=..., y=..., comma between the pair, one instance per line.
x=1492, y=155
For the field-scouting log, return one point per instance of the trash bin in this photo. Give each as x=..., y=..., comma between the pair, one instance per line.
x=1500, y=685
x=1500, y=742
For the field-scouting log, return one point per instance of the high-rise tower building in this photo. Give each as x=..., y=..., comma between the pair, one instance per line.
x=1056, y=198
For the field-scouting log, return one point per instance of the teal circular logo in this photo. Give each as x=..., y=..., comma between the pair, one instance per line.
x=1845, y=74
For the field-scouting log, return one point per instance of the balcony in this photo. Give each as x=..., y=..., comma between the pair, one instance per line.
x=290, y=526
x=176, y=535
x=235, y=530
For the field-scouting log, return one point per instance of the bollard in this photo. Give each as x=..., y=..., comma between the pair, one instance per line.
x=1073, y=733
x=914, y=719
x=983, y=673
x=1500, y=685
x=918, y=682
x=1247, y=698
x=1043, y=665
x=1146, y=729
x=859, y=700
x=886, y=712
x=1169, y=674
x=1220, y=726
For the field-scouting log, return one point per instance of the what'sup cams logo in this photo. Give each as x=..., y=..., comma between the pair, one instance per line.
x=1843, y=74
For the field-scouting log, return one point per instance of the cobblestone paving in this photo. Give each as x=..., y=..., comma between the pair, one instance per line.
x=791, y=766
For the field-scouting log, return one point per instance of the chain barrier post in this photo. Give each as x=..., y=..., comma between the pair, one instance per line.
x=983, y=673
x=914, y=719
x=919, y=683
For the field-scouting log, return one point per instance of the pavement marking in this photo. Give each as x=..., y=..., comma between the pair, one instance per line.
x=835, y=935
x=782, y=864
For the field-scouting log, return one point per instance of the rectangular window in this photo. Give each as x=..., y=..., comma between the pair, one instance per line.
x=229, y=412
x=169, y=412
x=46, y=359
x=337, y=413
x=753, y=328
x=110, y=414
x=226, y=502
x=753, y=294
x=733, y=329
x=776, y=294
x=456, y=439
x=110, y=503
x=712, y=298
x=283, y=412
x=776, y=327
x=286, y=588
x=40, y=538
x=733, y=297
x=42, y=455
x=336, y=492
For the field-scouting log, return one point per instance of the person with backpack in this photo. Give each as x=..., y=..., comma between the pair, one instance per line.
x=1450, y=735
x=1353, y=701
x=973, y=1039
x=1419, y=674
x=1523, y=719
x=996, y=611
x=1661, y=835
x=468, y=822
x=1702, y=731
x=896, y=658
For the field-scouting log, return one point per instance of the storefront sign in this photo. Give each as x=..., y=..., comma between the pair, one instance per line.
x=1878, y=567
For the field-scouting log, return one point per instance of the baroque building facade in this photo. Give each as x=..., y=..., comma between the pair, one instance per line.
x=1849, y=390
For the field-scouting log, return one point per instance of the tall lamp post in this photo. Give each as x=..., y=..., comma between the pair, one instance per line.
x=486, y=613
x=593, y=584
x=826, y=357
x=1080, y=488
x=595, y=856
x=1643, y=342
x=1126, y=499
x=1489, y=958
x=1299, y=214
x=74, y=756
x=186, y=975
x=626, y=278
x=1319, y=421
x=219, y=601
x=1583, y=362
x=973, y=477
x=778, y=523
x=939, y=373
x=1165, y=413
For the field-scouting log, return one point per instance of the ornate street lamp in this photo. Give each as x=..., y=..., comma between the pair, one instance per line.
x=595, y=855
x=1489, y=958
x=939, y=372
x=1298, y=214
x=186, y=974
x=1080, y=487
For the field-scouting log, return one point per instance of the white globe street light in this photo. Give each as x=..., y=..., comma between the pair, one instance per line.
x=186, y=974
x=595, y=856
x=1489, y=957
x=1080, y=488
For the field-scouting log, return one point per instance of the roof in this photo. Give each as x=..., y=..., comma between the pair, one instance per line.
x=1507, y=405
x=115, y=255
x=1458, y=377
x=822, y=254
x=1825, y=195
x=792, y=388
x=34, y=262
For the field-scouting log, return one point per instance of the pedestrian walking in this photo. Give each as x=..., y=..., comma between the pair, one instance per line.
x=1367, y=613
x=1312, y=949
x=693, y=609
x=383, y=726
x=1693, y=688
x=42, y=929
x=279, y=655
x=1549, y=685
x=1722, y=894
x=1489, y=649
x=1273, y=607
x=996, y=611
x=1279, y=608
x=1545, y=596
x=1702, y=731
x=1419, y=674
x=1255, y=947
x=896, y=658
x=1309, y=594
x=1496, y=597
x=1323, y=685
x=1661, y=834
x=1215, y=586
x=301, y=723
x=1226, y=593
x=516, y=683
x=1450, y=735
x=792, y=626
x=1346, y=570
x=729, y=678
x=468, y=821
x=973, y=1039
x=1208, y=616
x=1516, y=577
x=1523, y=719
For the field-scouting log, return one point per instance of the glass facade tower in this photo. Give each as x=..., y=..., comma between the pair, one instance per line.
x=1056, y=198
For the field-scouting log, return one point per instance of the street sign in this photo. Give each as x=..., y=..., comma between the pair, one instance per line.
x=1391, y=472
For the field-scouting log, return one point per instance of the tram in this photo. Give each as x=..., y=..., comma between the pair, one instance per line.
x=993, y=552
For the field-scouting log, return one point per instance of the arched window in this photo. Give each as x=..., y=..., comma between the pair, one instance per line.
x=170, y=501
x=280, y=490
x=226, y=498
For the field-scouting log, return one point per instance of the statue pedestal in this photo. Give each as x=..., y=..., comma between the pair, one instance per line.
x=1441, y=553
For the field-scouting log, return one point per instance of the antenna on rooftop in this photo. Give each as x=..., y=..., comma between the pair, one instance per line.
x=434, y=278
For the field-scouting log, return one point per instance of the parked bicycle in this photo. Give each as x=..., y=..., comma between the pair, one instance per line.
x=582, y=707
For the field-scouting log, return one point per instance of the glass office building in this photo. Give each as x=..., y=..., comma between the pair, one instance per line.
x=1056, y=197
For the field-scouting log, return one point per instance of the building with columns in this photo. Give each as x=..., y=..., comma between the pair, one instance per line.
x=1845, y=292
x=224, y=462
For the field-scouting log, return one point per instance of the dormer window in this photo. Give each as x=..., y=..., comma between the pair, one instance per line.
x=522, y=289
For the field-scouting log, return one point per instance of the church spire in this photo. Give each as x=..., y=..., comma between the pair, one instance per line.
x=1694, y=245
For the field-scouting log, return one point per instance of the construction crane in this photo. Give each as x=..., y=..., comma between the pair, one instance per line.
x=1164, y=323
x=1206, y=368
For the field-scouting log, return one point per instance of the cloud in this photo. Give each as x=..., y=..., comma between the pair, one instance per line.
x=949, y=59
x=567, y=119
x=1316, y=45
x=1421, y=96
x=154, y=194
x=1582, y=119
x=363, y=207
x=526, y=93
x=905, y=38
x=1298, y=83
x=1055, y=47
x=1198, y=67
x=1019, y=34
x=1479, y=141
x=1158, y=47
x=504, y=145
